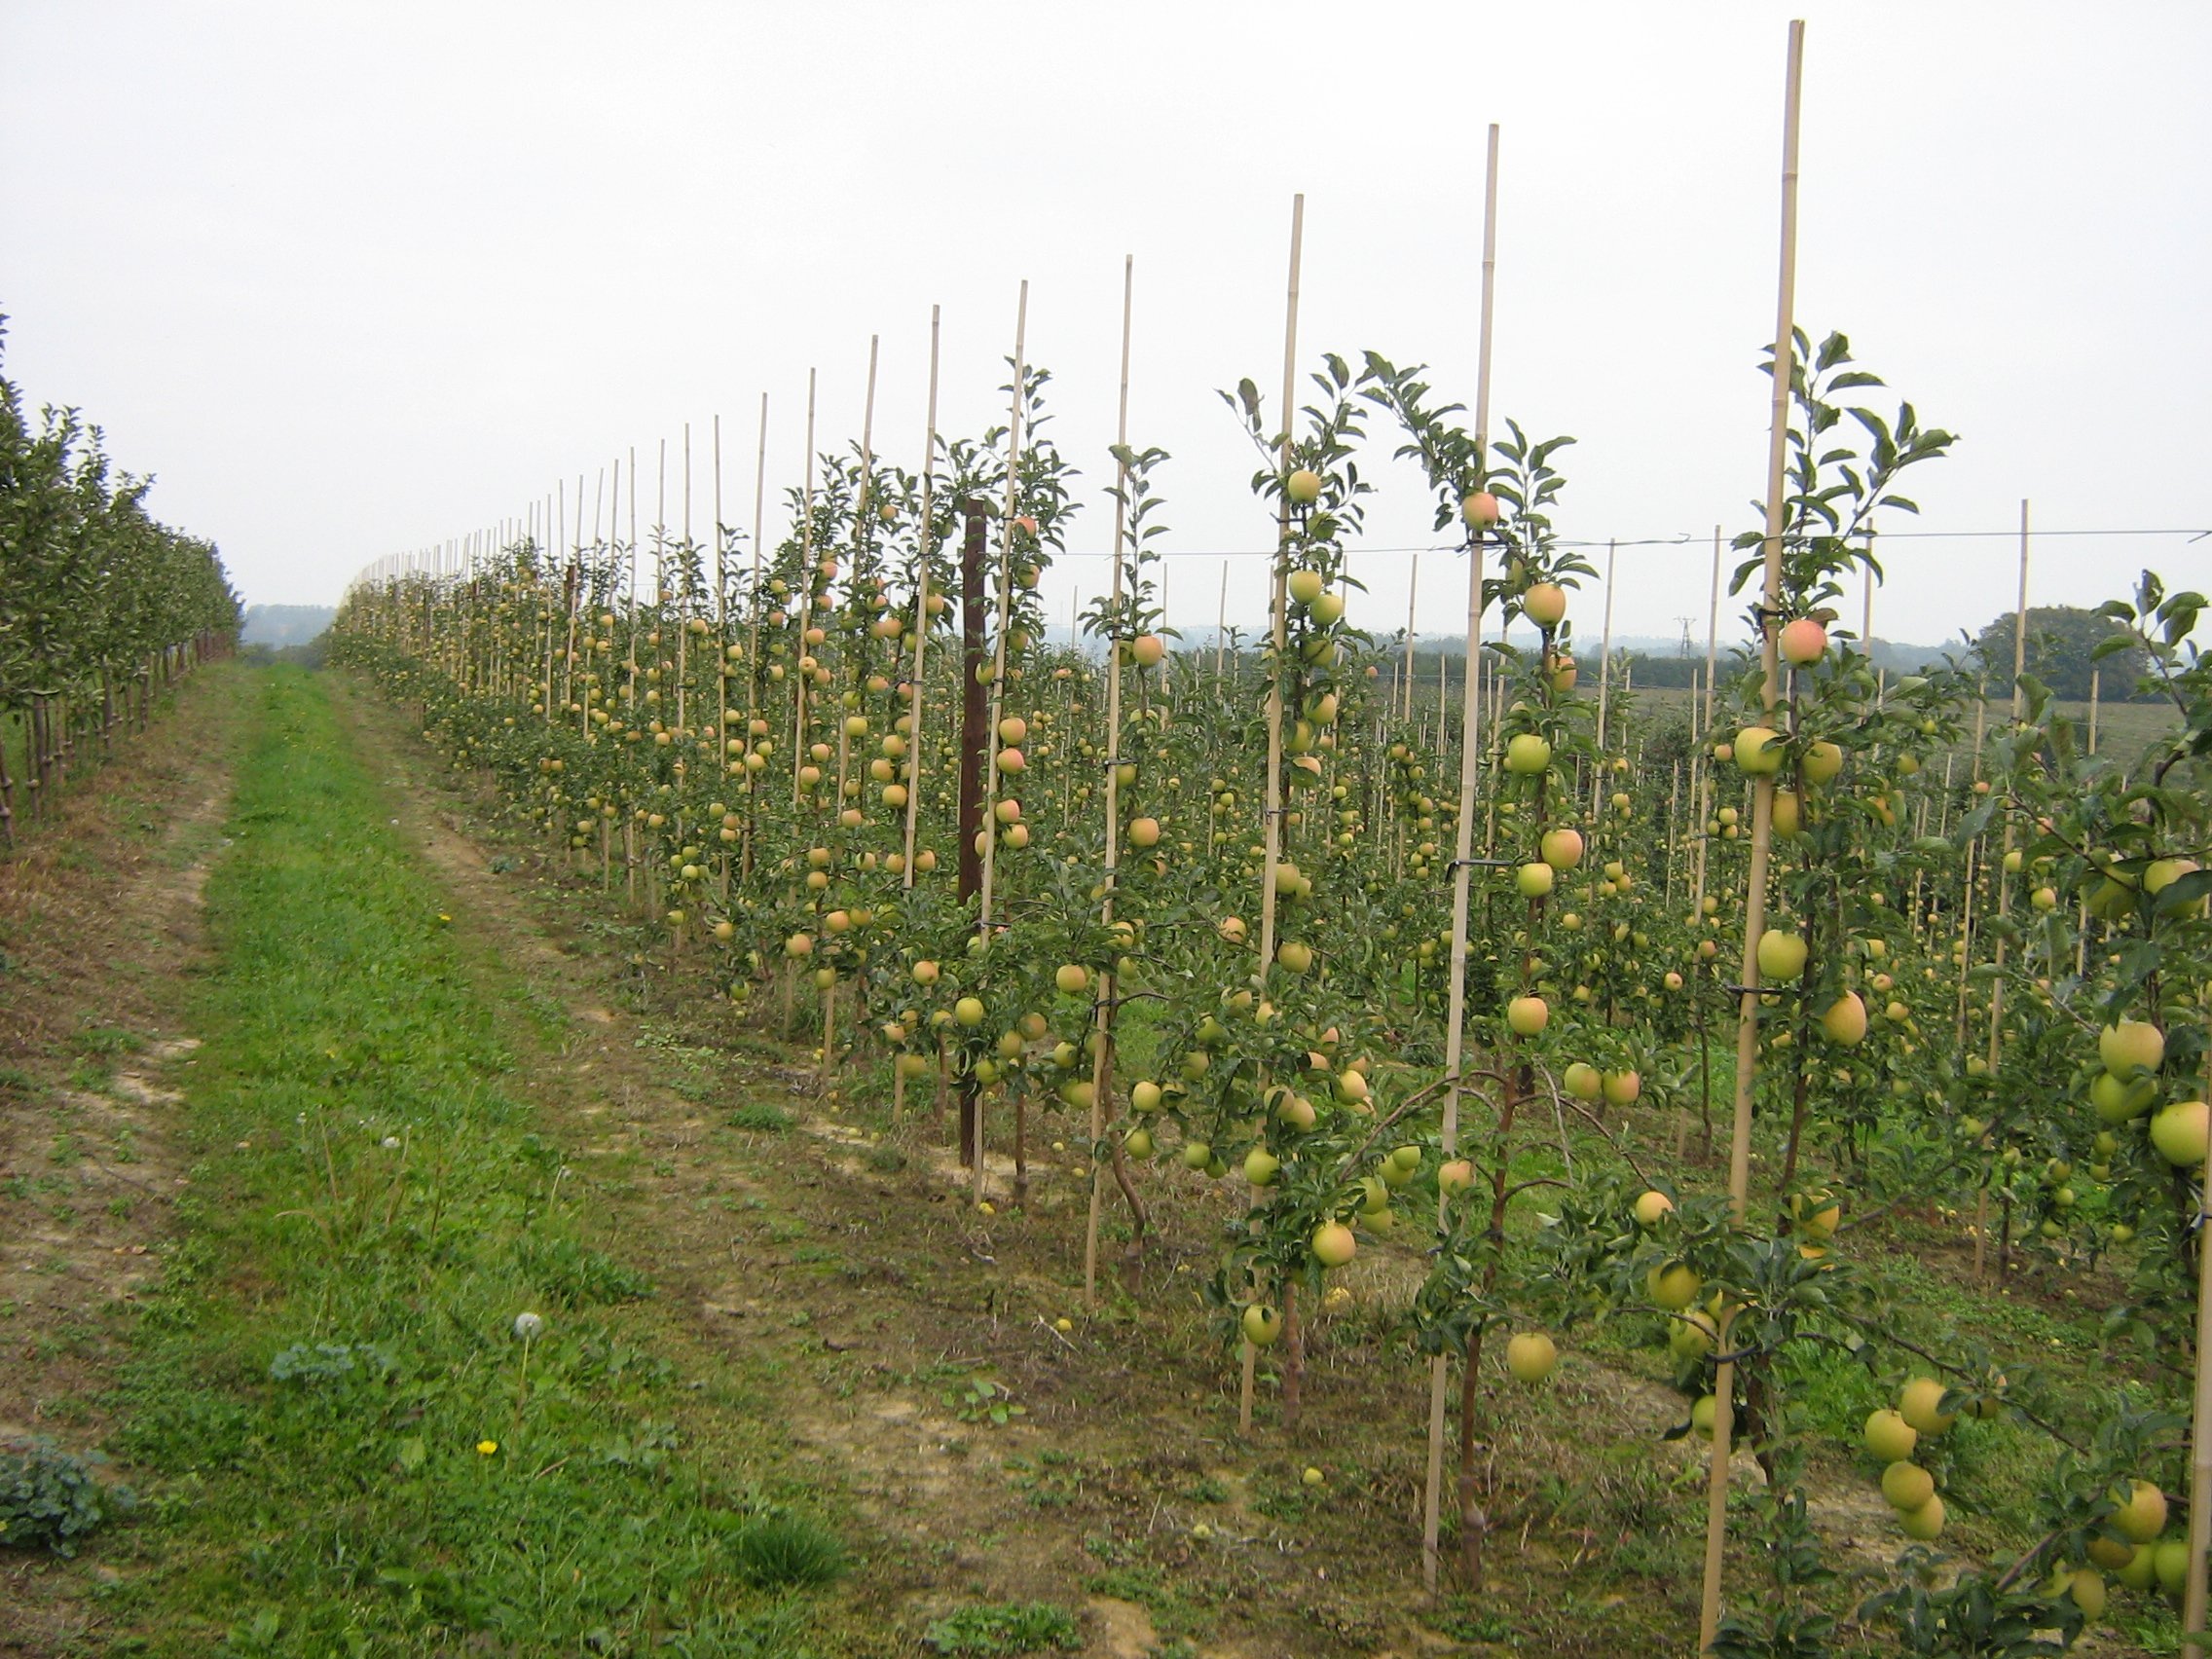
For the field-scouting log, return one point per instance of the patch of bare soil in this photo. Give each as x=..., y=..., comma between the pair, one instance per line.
x=101, y=925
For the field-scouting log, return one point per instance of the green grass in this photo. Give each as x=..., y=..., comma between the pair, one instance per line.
x=346, y=1449
x=761, y=1116
x=1007, y=1627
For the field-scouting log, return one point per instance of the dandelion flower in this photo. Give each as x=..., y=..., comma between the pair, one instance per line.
x=528, y=1325
x=485, y=1448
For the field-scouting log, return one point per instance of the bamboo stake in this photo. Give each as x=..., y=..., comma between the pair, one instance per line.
x=2004, y=888
x=1463, y=852
x=861, y=507
x=1966, y=917
x=722, y=639
x=630, y=689
x=683, y=607
x=1101, y=1066
x=1221, y=623
x=805, y=595
x=1278, y=633
x=990, y=830
x=1712, y=629
x=911, y=771
x=1866, y=605
x=1674, y=830
x=914, y=767
x=1443, y=696
x=1606, y=651
x=1413, y=596
x=752, y=610
x=2200, y=1420
x=590, y=623
x=1705, y=774
x=1762, y=820
x=1277, y=603
x=999, y=645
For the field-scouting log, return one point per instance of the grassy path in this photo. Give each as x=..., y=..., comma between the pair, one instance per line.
x=351, y=1450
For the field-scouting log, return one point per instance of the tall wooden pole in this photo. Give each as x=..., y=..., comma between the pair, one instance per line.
x=683, y=607
x=999, y=645
x=1762, y=817
x=1463, y=852
x=1270, y=828
x=2193, y=1603
x=1221, y=623
x=1998, y=877
x=912, y=771
x=1606, y=648
x=1413, y=599
x=1702, y=769
x=1101, y=1065
x=721, y=636
x=753, y=609
x=998, y=649
x=1278, y=632
x=806, y=594
x=862, y=507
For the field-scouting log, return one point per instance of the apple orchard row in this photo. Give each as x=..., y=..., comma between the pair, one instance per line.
x=1201, y=911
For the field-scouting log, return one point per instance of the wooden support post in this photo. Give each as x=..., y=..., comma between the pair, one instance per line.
x=973, y=808
x=1763, y=821
x=1463, y=852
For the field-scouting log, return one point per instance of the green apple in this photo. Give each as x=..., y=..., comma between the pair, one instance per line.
x=1781, y=954
x=2180, y=1131
x=1906, y=1486
x=1844, y=1021
x=1530, y=1355
x=1758, y=750
x=1925, y=1524
x=2130, y=1043
x=1333, y=1244
x=1889, y=1437
x=1920, y=1405
x=2142, y=1517
x=1527, y=754
x=1652, y=1207
x=1673, y=1285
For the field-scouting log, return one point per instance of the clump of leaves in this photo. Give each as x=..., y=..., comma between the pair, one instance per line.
x=49, y=1497
x=761, y=1116
x=986, y=1401
x=331, y=1362
x=578, y=1278
x=1003, y=1627
x=779, y=1551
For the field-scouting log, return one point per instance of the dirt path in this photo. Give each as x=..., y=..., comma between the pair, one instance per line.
x=99, y=921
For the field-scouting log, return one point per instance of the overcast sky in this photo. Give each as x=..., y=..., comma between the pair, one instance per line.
x=352, y=279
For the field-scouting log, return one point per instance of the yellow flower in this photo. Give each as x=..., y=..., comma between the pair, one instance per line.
x=485, y=1448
